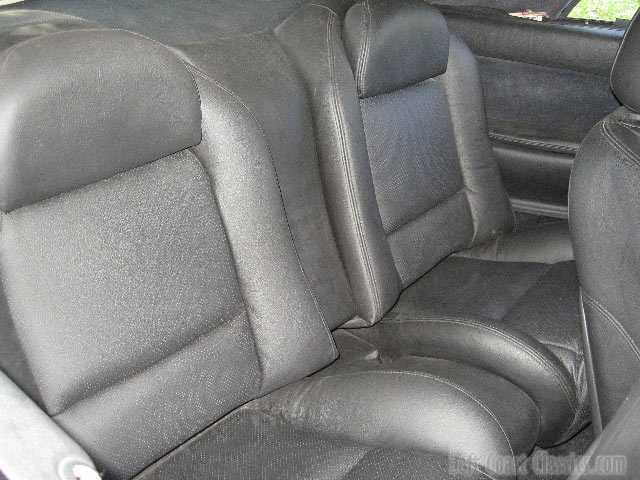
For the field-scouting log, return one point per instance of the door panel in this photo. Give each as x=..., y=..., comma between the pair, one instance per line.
x=545, y=84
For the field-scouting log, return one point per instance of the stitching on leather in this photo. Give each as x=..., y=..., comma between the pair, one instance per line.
x=279, y=418
x=346, y=167
x=618, y=144
x=529, y=289
x=9, y=51
x=614, y=322
x=422, y=214
x=364, y=54
x=533, y=143
x=322, y=6
x=539, y=359
x=484, y=474
x=630, y=126
x=131, y=375
x=235, y=267
x=563, y=347
x=293, y=243
x=437, y=379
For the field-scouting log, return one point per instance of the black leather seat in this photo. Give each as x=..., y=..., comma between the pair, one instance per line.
x=604, y=218
x=169, y=277
x=421, y=218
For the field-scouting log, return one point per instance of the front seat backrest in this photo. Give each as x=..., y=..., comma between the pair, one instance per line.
x=605, y=228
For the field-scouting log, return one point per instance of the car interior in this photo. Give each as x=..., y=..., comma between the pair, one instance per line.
x=319, y=239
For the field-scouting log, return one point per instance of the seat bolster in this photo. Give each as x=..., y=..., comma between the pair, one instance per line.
x=488, y=201
x=344, y=164
x=490, y=345
x=547, y=243
x=278, y=299
x=419, y=408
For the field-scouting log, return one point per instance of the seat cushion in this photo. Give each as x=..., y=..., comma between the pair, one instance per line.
x=519, y=320
x=365, y=418
x=251, y=443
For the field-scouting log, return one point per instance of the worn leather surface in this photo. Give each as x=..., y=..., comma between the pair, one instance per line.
x=312, y=38
x=625, y=70
x=151, y=108
x=546, y=243
x=180, y=308
x=338, y=404
x=292, y=337
x=603, y=218
x=437, y=193
x=488, y=203
x=192, y=280
x=280, y=108
x=19, y=25
x=462, y=300
x=392, y=45
x=251, y=443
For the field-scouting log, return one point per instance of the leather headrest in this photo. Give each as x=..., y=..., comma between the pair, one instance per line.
x=625, y=74
x=392, y=44
x=80, y=106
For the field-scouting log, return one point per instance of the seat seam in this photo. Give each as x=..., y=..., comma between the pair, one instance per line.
x=509, y=139
x=364, y=53
x=564, y=347
x=353, y=201
x=422, y=214
x=614, y=322
x=284, y=208
x=278, y=418
x=322, y=6
x=131, y=375
x=437, y=379
x=233, y=259
x=618, y=144
x=539, y=359
x=548, y=268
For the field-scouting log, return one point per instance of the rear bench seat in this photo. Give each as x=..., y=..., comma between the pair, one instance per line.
x=421, y=218
x=167, y=262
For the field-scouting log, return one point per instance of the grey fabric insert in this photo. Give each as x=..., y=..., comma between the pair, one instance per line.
x=412, y=152
x=104, y=281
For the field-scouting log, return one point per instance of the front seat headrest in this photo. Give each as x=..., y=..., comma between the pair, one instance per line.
x=80, y=106
x=625, y=74
x=392, y=44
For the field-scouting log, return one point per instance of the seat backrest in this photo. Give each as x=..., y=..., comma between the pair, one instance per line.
x=403, y=142
x=150, y=284
x=604, y=220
